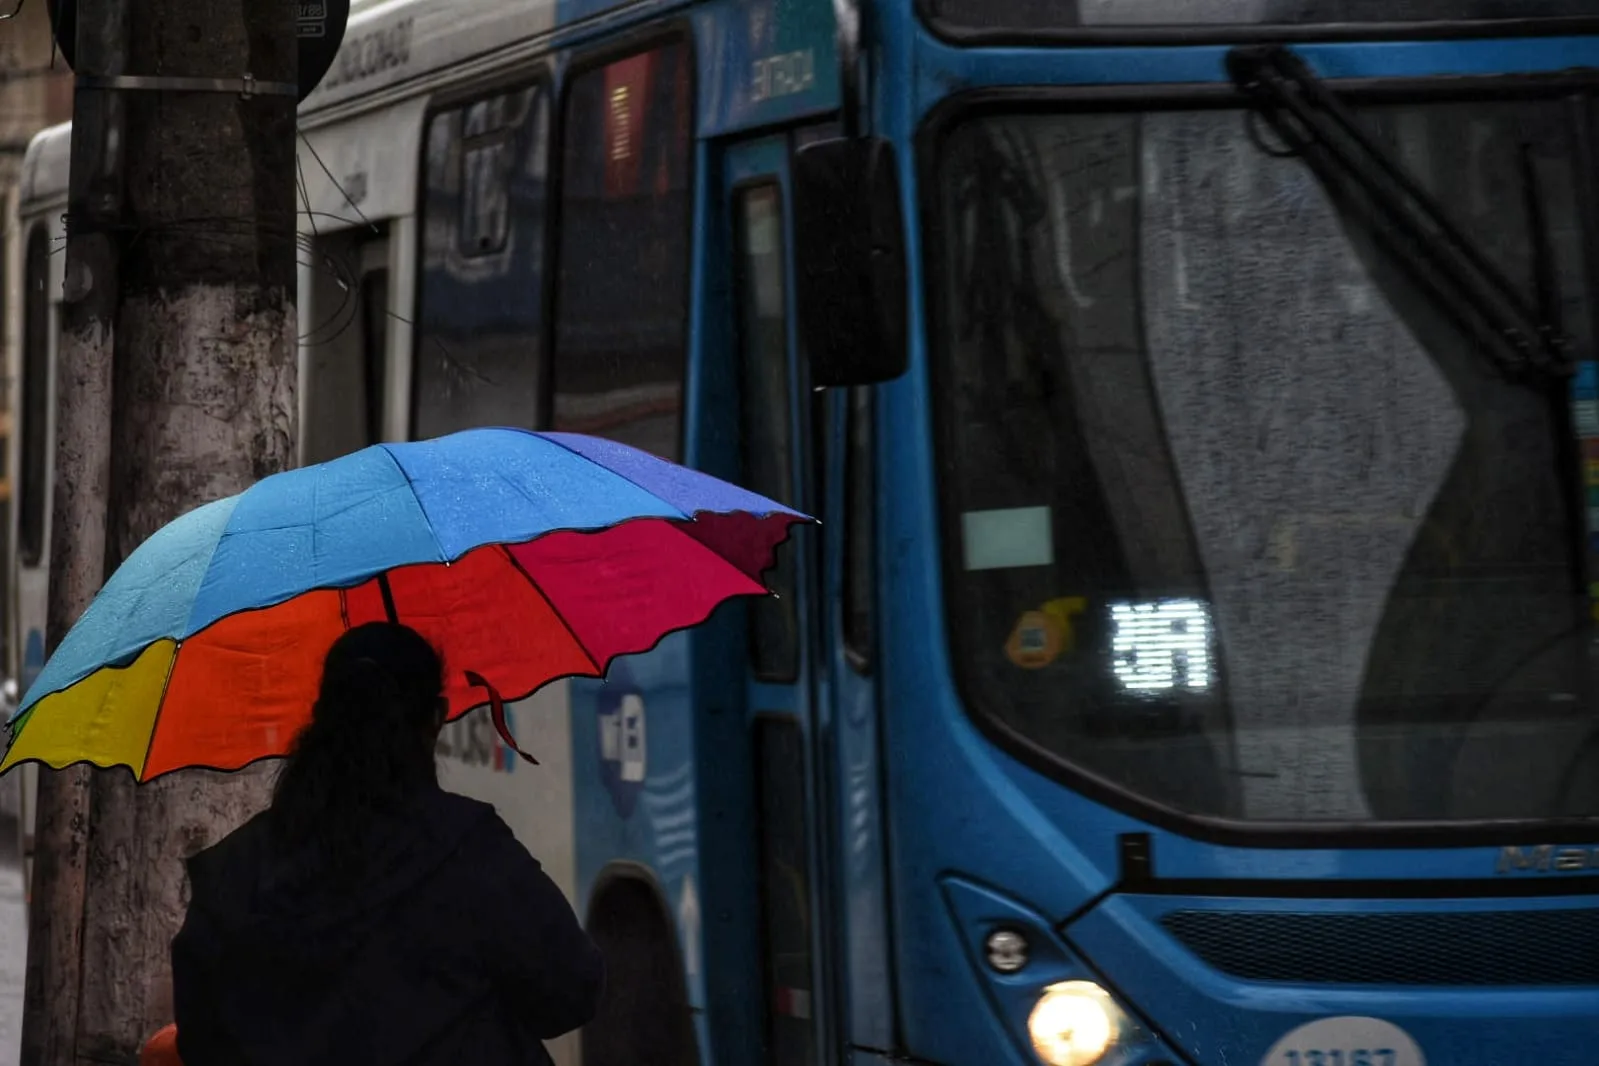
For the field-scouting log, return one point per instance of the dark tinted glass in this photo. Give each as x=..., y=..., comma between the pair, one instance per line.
x=767, y=430
x=374, y=348
x=480, y=343
x=785, y=893
x=622, y=305
x=860, y=531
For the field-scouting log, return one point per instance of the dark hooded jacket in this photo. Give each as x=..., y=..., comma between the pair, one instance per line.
x=452, y=947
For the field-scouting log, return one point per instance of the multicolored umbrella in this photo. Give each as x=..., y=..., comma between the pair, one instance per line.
x=525, y=557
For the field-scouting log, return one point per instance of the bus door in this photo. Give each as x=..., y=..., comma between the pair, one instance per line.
x=783, y=654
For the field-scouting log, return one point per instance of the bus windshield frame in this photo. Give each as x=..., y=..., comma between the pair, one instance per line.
x=937, y=127
x=1006, y=23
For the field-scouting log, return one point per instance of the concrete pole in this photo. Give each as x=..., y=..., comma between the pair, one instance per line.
x=205, y=406
x=83, y=378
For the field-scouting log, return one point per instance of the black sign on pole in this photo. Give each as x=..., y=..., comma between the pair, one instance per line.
x=320, y=25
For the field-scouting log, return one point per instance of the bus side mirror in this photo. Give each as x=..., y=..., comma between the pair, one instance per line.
x=850, y=277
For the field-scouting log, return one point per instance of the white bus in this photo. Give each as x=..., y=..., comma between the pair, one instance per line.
x=424, y=164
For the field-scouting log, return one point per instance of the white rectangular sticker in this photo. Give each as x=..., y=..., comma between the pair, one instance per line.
x=1008, y=539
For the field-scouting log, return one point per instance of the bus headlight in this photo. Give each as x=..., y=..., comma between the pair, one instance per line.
x=1073, y=1024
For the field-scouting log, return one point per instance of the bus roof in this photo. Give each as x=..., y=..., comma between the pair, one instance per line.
x=389, y=42
x=44, y=168
x=763, y=62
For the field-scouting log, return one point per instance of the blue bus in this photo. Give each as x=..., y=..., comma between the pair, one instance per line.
x=1195, y=665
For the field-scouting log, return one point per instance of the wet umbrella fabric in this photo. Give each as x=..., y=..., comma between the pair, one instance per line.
x=525, y=557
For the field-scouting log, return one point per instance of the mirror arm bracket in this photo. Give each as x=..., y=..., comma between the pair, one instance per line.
x=847, y=16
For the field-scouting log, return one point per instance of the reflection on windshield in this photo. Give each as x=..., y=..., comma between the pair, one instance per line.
x=1318, y=555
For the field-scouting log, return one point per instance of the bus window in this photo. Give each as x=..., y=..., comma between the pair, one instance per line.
x=622, y=305
x=479, y=354
x=767, y=437
x=785, y=891
x=860, y=496
x=34, y=491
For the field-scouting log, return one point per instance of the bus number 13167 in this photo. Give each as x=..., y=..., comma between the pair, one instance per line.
x=1340, y=1057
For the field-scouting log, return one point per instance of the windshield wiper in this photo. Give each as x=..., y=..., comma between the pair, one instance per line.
x=1315, y=124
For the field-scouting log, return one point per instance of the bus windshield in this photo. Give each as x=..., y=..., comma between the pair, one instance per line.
x=1237, y=521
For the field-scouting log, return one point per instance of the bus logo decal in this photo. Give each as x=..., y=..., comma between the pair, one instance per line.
x=1546, y=858
x=621, y=741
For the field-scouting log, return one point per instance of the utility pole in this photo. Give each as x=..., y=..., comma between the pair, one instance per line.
x=204, y=380
x=78, y=521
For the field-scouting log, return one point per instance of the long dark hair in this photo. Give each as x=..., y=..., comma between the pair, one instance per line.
x=370, y=744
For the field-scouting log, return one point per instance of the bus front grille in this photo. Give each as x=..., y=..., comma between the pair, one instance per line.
x=1524, y=947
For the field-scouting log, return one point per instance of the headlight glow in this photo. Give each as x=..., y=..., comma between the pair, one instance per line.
x=1073, y=1024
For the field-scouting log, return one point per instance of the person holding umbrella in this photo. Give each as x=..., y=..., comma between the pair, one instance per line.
x=368, y=916
x=337, y=616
